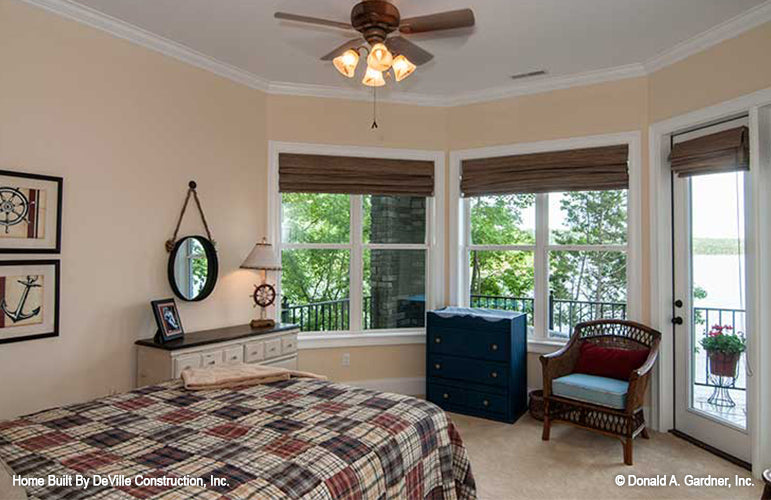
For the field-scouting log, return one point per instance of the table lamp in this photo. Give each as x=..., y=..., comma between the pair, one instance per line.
x=262, y=258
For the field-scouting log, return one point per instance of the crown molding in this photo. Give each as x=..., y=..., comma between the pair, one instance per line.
x=547, y=84
x=383, y=94
x=86, y=15
x=752, y=18
x=121, y=29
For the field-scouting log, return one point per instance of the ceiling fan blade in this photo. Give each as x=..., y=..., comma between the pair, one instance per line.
x=451, y=19
x=400, y=45
x=350, y=44
x=312, y=20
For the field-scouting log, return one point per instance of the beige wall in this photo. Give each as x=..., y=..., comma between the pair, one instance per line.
x=127, y=128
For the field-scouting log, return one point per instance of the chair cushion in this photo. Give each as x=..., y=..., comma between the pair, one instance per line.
x=601, y=391
x=608, y=361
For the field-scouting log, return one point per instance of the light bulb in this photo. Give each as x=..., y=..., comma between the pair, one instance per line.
x=379, y=58
x=373, y=78
x=346, y=62
x=402, y=68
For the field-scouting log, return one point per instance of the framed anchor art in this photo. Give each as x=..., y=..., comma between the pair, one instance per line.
x=30, y=213
x=29, y=300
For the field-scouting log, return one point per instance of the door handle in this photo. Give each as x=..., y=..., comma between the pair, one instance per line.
x=677, y=320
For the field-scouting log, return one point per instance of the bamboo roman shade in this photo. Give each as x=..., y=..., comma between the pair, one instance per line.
x=725, y=151
x=588, y=169
x=302, y=173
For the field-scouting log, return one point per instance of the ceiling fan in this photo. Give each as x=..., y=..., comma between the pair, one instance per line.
x=376, y=20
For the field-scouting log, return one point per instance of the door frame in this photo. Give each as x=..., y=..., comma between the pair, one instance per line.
x=758, y=106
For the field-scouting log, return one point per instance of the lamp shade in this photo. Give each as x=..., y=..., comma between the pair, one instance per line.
x=262, y=257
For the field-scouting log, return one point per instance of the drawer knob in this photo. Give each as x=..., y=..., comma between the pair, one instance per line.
x=234, y=358
x=494, y=347
x=438, y=366
x=486, y=402
x=494, y=374
x=446, y=396
x=211, y=362
x=438, y=340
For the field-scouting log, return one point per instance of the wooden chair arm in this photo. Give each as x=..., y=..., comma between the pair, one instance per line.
x=558, y=364
x=638, y=383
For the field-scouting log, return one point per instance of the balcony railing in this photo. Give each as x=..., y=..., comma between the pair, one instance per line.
x=703, y=319
x=331, y=315
x=564, y=314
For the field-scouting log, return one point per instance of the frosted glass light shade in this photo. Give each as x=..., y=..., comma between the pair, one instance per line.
x=402, y=68
x=262, y=257
x=373, y=78
x=380, y=59
x=346, y=62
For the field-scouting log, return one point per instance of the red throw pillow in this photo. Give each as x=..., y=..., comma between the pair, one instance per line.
x=609, y=362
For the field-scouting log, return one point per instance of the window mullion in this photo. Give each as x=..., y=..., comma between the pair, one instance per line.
x=357, y=265
x=541, y=271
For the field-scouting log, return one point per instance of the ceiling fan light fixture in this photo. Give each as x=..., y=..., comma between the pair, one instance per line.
x=402, y=68
x=346, y=62
x=380, y=59
x=373, y=78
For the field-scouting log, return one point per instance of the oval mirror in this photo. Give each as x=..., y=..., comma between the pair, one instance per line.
x=193, y=268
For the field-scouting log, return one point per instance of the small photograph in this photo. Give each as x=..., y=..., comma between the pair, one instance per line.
x=29, y=300
x=30, y=213
x=167, y=319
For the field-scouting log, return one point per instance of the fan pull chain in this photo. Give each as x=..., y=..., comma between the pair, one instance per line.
x=374, y=108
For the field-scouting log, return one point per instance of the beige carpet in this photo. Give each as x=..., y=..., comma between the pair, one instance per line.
x=511, y=461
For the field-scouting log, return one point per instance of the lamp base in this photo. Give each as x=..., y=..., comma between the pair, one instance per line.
x=262, y=323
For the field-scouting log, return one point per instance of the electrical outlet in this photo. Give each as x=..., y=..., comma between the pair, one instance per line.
x=347, y=359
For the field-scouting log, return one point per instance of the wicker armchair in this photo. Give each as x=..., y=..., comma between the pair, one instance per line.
x=625, y=424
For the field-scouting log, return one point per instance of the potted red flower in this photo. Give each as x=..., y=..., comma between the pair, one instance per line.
x=724, y=348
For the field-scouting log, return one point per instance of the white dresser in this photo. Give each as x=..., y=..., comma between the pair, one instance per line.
x=275, y=346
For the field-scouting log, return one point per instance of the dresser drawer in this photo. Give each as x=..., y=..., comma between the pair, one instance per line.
x=211, y=358
x=272, y=348
x=471, y=370
x=445, y=394
x=492, y=345
x=481, y=401
x=288, y=345
x=234, y=355
x=254, y=351
x=186, y=361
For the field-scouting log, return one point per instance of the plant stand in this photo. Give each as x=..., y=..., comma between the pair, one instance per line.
x=721, y=396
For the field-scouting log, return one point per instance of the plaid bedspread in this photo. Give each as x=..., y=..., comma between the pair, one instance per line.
x=300, y=438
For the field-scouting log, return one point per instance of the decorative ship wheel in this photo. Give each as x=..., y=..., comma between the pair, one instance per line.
x=14, y=207
x=264, y=295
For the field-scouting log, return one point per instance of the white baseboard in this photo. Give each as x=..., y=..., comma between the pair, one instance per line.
x=410, y=386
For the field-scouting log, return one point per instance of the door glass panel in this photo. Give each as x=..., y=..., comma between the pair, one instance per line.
x=717, y=369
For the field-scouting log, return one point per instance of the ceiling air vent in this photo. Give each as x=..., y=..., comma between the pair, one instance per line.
x=529, y=74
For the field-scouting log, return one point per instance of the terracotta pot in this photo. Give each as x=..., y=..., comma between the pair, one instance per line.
x=722, y=364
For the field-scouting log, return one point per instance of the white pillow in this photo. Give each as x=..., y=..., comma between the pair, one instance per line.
x=7, y=489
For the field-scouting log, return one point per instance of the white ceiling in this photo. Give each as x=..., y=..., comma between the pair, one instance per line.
x=511, y=36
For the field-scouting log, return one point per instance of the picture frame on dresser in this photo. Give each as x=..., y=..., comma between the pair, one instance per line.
x=30, y=213
x=29, y=300
x=167, y=319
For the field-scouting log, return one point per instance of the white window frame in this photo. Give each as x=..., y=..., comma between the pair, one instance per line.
x=460, y=230
x=434, y=244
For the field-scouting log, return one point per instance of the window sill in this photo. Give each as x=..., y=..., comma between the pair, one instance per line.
x=320, y=340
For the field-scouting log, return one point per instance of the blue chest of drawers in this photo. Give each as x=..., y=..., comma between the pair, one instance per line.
x=476, y=362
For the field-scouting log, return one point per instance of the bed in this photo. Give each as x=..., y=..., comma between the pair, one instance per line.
x=300, y=438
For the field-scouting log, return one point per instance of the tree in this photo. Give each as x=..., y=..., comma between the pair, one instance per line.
x=497, y=220
x=315, y=275
x=591, y=218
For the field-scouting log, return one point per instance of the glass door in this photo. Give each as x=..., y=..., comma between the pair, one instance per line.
x=711, y=380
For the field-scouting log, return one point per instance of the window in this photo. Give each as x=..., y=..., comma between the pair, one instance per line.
x=559, y=257
x=354, y=262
